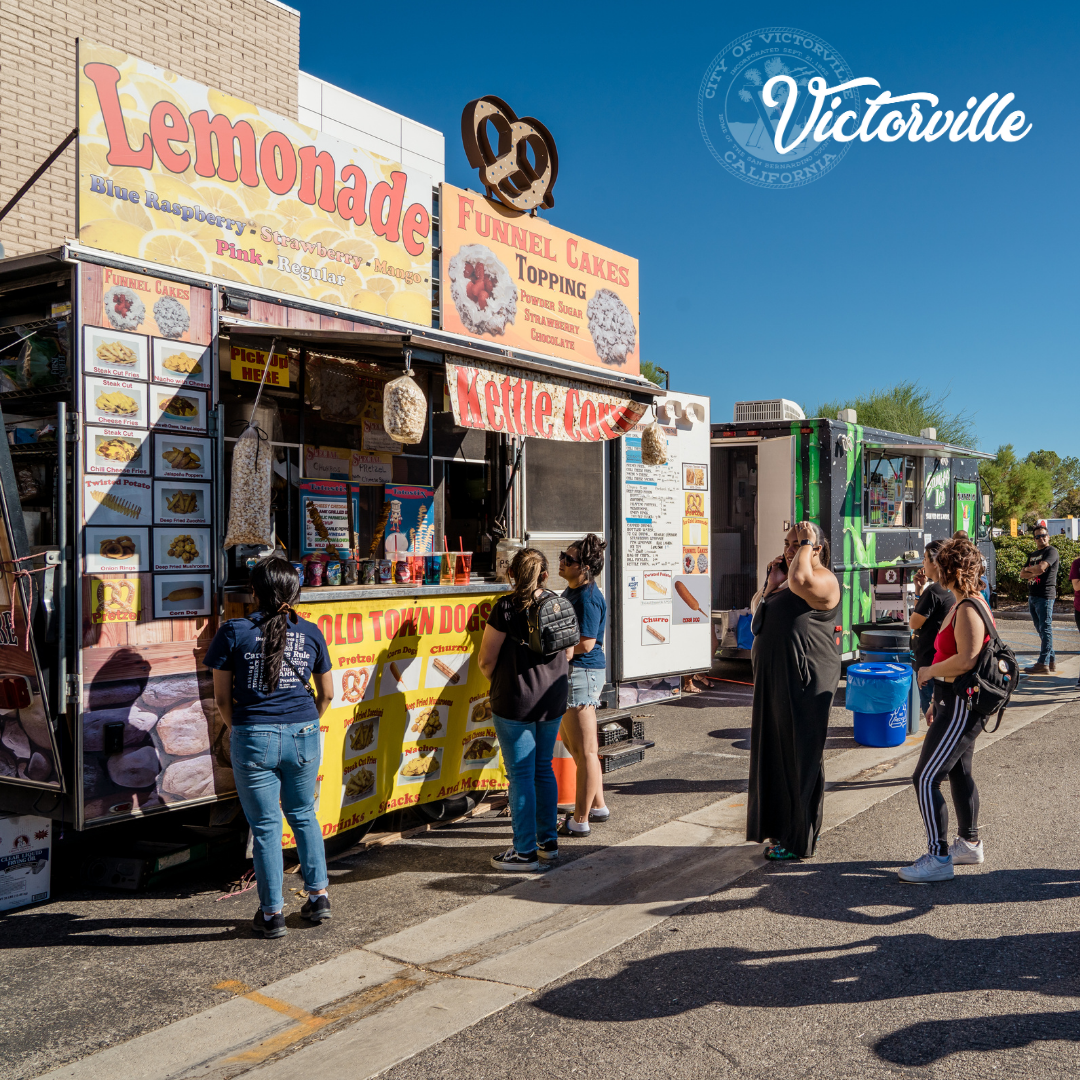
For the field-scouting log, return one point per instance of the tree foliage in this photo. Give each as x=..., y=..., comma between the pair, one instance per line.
x=1019, y=489
x=906, y=408
x=1065, y=477
x=653, y=373
x=1012, y=556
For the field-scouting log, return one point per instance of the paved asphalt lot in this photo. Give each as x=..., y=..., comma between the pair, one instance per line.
x=92, y=969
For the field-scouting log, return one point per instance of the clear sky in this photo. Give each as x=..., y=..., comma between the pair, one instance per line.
x=950, y=263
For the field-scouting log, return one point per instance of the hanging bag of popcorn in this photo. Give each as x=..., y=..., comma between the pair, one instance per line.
x=654, y=445
x=249, y=498
x=404, y=407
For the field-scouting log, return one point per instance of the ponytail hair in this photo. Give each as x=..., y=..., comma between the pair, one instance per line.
x=276, y=586
x=591, y=553
x=821, y=540
x=527, y=570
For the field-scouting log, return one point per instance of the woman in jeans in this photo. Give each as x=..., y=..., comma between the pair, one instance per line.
x=262, y=665
x=580, y=564
x=528, y=699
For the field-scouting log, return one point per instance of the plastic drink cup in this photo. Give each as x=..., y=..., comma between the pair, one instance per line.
x=386, y=573
x=432, y=569
x=446, y=569
x=462, y=567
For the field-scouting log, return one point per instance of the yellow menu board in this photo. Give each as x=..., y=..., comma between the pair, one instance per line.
x=410, y=721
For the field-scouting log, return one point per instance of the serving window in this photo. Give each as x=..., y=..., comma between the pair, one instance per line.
x=889, y=498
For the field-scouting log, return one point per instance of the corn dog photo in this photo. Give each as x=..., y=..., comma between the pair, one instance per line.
x=687, y=596
x=396, y=672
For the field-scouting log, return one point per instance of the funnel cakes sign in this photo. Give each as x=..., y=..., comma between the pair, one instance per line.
x=524, y=284
x=496, y=398
x=177, y=173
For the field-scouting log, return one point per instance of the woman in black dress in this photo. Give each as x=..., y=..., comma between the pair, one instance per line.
x=796, y=672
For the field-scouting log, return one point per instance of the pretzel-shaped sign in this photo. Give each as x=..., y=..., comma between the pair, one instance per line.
x=507, y=173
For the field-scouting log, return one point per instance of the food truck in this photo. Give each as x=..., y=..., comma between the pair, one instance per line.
x=277, y=292
x=879, y=496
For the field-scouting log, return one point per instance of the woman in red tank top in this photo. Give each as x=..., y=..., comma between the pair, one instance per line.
x=950, y=743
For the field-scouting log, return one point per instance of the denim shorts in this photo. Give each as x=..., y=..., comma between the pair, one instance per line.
x=585, y=687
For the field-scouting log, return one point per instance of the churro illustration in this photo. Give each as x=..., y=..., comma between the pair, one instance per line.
x=655, y=633
x=687, y=596
x=449, y=672
x=654, y=584
x=112, y=502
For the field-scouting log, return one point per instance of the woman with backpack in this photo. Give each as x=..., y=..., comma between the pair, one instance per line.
x=262, y=665
x=580, y=564
x=950, y=743
x=528, y=699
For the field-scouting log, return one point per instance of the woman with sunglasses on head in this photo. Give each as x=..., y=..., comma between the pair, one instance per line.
x=262, y=665
x=580, y=564
x=796, y=673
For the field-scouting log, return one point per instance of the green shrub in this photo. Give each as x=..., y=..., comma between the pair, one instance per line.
x=1012, y=556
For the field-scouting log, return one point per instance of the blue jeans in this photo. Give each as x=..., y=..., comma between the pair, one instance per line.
x=527, y=749
x=275, y=766
x=1042, y=615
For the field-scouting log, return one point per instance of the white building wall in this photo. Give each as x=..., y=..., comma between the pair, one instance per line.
x=354, y=119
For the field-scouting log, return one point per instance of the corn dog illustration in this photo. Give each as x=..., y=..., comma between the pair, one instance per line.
x=655, y=633
x=687, y=596
x=451, y=675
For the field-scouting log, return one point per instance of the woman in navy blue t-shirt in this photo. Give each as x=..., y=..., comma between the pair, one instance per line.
x=262, y=665
x=580, y=564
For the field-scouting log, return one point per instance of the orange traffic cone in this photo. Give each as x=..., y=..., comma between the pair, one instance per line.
x=565, y=773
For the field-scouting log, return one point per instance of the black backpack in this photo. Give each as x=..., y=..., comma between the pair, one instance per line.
x=552, y=624
x=996, y=674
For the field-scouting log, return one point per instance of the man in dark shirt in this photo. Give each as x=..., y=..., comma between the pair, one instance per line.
x=1041, y=575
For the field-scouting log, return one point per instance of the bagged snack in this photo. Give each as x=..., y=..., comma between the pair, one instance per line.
x=404, y=410
x=249, y=504
x=654, y=445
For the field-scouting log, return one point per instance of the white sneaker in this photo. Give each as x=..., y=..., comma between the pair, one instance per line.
x=965, y=853
x=927, y=868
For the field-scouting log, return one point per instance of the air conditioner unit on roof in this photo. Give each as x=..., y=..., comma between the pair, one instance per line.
x=760, y=411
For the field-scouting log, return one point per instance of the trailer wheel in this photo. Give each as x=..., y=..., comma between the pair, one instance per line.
x=448, y=809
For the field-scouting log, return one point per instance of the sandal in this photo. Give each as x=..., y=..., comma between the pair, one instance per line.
x=779, y=853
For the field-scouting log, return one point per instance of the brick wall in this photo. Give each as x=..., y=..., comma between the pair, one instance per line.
x=248, y=48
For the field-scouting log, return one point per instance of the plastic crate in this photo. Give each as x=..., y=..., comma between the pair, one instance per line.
x=631, y=756
x=639, y=729
x=610, y=738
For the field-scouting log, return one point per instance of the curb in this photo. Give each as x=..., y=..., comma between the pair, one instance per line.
x=1023, y=616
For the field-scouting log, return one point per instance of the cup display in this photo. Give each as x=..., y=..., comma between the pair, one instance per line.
x=462, y=567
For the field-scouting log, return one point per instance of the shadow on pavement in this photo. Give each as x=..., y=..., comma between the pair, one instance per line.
x=925, y=1043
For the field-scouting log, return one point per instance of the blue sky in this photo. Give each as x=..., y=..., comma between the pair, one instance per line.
x=951, y=263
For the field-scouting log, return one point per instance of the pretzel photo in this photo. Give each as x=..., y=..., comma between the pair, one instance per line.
x=353, y=685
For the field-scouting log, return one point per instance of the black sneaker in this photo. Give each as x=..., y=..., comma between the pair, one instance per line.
x=581, y=830
x=316, y=909
x=272, y=927
x=513, y=860
x=548, y=851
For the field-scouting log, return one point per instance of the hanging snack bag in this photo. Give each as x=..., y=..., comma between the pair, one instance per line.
x=249, y=505
x=404, y=410
x=654, y=445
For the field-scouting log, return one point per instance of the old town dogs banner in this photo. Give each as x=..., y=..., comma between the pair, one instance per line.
x=176, y=173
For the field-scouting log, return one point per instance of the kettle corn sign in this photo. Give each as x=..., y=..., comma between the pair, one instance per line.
x=177, y=173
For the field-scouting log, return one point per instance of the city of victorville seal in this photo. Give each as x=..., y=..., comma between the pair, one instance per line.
x=739, y=128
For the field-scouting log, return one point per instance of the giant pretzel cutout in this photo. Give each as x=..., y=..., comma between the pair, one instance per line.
x=507, y=172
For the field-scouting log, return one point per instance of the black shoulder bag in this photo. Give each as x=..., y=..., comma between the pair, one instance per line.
x=996, y=674
x=552, y=624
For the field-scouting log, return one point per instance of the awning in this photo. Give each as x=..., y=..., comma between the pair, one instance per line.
x=371, y=339
x=927, y=449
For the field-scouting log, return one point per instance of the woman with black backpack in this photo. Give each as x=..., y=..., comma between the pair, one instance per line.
x=528, y=699
x=954, y=724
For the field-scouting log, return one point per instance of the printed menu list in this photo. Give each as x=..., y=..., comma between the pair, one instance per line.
x=653, y=509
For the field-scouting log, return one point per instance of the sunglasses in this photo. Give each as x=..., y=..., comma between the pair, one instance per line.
x=564, y=557
x=1040, y=536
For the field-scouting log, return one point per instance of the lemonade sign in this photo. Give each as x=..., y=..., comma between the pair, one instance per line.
x=176, y=173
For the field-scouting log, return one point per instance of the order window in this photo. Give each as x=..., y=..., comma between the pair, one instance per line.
x=889, y=501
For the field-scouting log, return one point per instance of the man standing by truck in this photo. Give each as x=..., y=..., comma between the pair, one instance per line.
x=1041, y=575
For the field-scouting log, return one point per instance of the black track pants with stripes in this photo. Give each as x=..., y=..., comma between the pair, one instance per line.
x=947, y=751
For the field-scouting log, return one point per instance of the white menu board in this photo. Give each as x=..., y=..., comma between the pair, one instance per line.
x=666, y=564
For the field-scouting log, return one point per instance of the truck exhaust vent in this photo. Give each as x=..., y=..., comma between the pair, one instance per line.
x=758, y=411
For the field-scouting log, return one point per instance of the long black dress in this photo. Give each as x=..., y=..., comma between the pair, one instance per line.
x=796, y=672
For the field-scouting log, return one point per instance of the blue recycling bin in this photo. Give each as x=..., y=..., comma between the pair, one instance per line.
x=877, y=695
x=892, y=645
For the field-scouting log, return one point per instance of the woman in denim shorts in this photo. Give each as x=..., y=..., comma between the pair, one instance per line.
x=580, y=564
